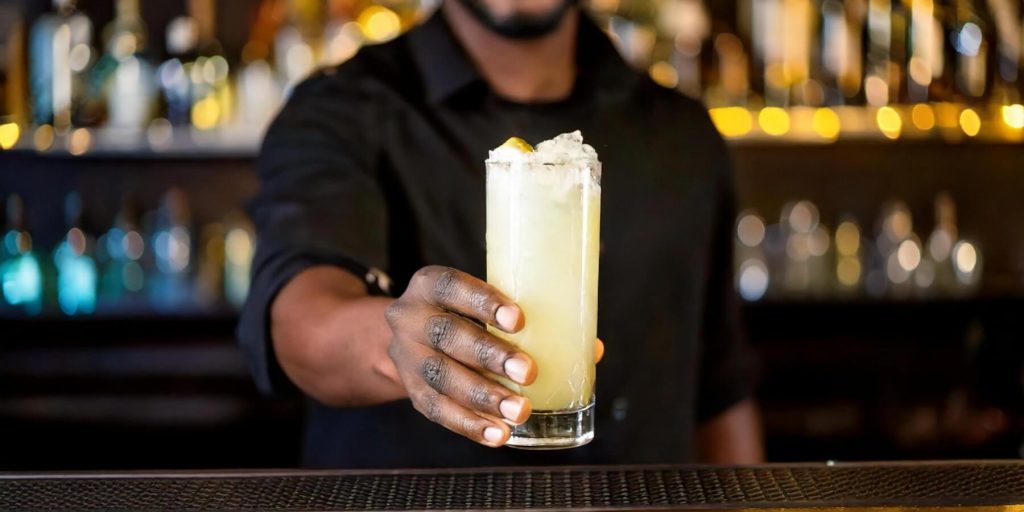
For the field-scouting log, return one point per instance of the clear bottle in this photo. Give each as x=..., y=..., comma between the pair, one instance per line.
x=130, y=87
x=173, y=75
x=59, y=57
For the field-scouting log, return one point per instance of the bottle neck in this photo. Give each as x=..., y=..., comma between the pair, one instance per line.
x=64, y=6
x=127, y=9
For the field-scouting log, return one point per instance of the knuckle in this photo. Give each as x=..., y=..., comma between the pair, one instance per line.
x=487, y=353
x=481, y=397
x=446, y=285
x=435, y=372
x=482, y=302
x=394, y=313
x=439, y=331
x=429, y=405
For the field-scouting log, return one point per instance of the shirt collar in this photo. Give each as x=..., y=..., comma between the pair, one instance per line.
x=446, y=68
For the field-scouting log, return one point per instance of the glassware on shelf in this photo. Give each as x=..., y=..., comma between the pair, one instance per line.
x=123, y=276
x=77, y=279
x=239, y=246
x=21, y=275
x=174, y=74
x=170, y=285
x=752, y=274
x=127, y=74
x=59, y=58
x=297, y=40
x=849, y=248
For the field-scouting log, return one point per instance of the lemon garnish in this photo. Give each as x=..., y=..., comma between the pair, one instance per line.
x=518, y=144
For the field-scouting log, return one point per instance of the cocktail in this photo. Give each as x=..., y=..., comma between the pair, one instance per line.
x=543, y=239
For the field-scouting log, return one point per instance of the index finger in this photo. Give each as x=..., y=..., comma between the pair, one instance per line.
x=461, y=293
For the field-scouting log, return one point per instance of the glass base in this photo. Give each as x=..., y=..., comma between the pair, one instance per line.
x=555, y=430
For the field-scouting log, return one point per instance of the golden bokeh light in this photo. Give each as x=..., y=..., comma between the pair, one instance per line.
x=1013, y=115
x=826, y=123
x=732, y=121
x=909, y=255
x=43, y=137
x=79, y=141
x=965, y=257
x=847, y=238
x=205, y=113
x=970, y=123
x=664, y=74
x=9, y=135
x=848, y=271
x=379, y=23
x=750, y=230
x=923, y=116
x=889, y=122
x=774, y=121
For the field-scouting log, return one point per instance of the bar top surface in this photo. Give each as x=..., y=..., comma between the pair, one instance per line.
x=964, y=485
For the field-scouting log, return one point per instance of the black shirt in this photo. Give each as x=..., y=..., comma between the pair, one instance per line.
x=378, y=163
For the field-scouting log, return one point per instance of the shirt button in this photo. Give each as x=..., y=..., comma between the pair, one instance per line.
x=620, y=406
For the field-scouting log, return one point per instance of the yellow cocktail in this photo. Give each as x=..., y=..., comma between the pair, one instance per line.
x=543, y=238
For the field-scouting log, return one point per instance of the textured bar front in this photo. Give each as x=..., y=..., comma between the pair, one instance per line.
x=988, y=486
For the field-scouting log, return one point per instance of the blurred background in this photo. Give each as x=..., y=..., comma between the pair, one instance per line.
x=879, y=250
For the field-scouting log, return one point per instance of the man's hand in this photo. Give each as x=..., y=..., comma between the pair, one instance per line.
x=442, y=351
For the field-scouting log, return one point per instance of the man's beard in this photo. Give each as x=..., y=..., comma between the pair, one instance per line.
x=519, y=26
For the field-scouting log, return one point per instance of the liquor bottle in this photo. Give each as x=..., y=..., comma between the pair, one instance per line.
x=59, y=56
x=239, y=244
x=752, y=275
x=296, y=41
x=926, y=47
x=123, y=248
x=941, y=242
x=1009, y=28
x=131, y=91
x=13, y=76
x=172, y=250
x=21, y=276
x=886, y=39
x=972, y=42
x=76, y=269
x=173, y=75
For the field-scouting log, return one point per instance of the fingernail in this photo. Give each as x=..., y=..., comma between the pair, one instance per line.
x=516, y=369
x=507, y=317
x=512, y=409
x=493, y=435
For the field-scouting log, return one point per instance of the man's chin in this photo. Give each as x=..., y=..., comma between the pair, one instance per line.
x=520, y=26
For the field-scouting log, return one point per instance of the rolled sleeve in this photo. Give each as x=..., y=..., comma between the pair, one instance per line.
x=728, y=365
x=320, y=202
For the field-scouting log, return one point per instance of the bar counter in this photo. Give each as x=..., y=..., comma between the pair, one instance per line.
x=990, y=486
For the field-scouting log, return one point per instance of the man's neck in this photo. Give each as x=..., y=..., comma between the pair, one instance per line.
x=523, y=71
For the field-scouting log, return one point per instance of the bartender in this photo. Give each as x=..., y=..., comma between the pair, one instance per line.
x=367, y=295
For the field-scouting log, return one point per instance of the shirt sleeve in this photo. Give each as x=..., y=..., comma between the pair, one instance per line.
x=320, y=202
x=728, y=365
